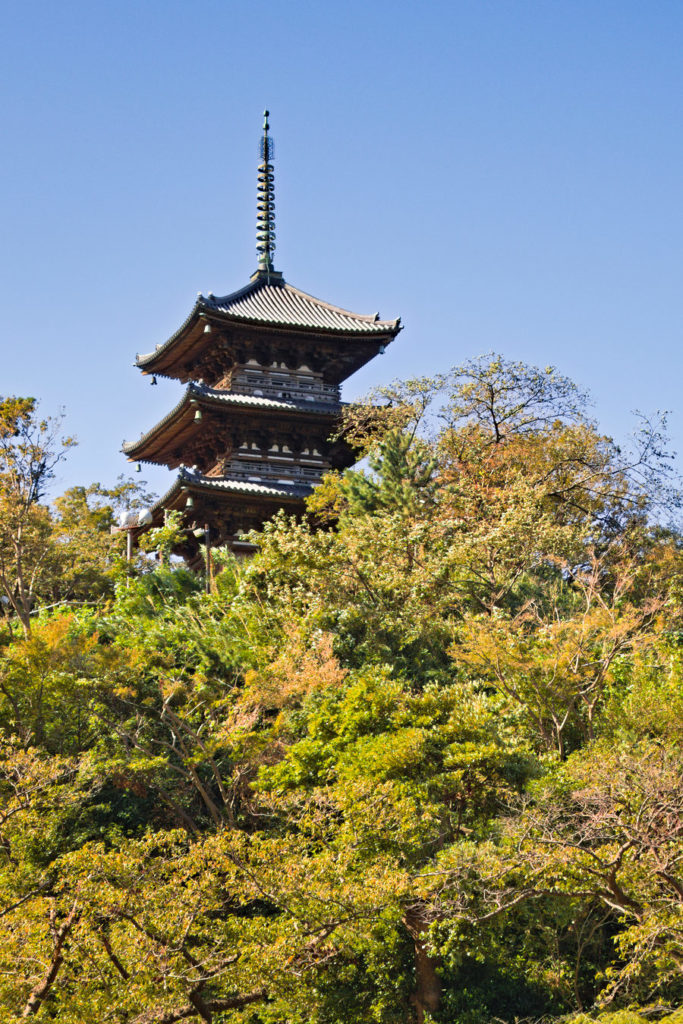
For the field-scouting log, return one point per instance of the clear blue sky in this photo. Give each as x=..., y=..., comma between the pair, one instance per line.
x=502, y=175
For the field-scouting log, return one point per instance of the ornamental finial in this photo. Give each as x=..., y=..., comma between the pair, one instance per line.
x=265, y=218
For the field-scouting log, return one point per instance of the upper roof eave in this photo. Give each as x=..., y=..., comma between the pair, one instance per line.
x=392, y=326
x=144, y=360
x=263, y=299
x=267, y=301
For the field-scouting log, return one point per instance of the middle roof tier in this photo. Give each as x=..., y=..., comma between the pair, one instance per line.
x=211, y=427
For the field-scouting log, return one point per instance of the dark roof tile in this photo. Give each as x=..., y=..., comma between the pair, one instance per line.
x=276, y=302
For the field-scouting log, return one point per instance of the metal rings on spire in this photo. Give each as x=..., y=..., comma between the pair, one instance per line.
x=265, y=206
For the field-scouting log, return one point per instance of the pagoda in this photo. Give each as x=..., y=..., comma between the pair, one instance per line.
x=255, y=427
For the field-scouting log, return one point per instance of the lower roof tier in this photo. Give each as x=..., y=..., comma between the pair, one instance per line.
x=229, y=507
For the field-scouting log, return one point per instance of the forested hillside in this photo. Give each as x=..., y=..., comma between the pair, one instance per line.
x=419, y=759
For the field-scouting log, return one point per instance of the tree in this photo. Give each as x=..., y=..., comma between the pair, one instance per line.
x=421, y=765
x=402, y=477
x=85, y=557
x=30, y=449
x=559, y=664
x=605, y=829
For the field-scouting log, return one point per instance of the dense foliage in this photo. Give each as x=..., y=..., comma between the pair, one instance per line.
x=420, y=762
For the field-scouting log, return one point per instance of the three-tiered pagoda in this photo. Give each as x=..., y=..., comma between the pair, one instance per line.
x=253, y=431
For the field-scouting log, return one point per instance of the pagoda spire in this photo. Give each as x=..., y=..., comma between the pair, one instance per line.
x=265, y=219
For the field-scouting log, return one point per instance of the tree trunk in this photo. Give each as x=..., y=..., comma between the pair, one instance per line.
x=427, y=995
x=42, y=989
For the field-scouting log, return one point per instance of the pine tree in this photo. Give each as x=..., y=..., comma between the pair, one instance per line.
x=403, y=480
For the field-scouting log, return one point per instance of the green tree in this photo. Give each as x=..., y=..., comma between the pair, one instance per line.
x=419, y=765
x=30, y=449
x=86, y=552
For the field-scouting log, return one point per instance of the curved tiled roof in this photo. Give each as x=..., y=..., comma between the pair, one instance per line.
x=259, y=402
x=186, y=478
x=200, y=392
x=217, y=483
x=269, y=299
